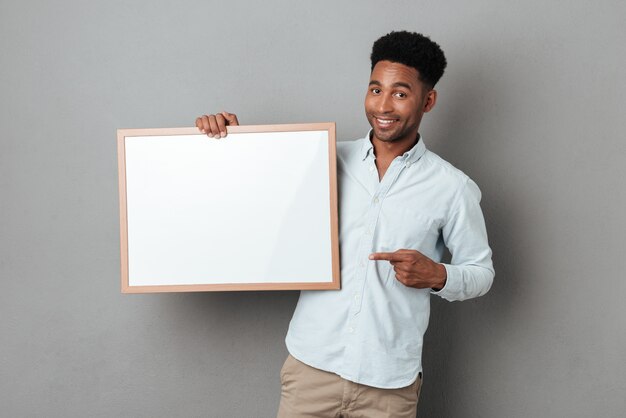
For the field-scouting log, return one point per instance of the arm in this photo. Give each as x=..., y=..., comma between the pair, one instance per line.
x=470, y=273
x=215, y=125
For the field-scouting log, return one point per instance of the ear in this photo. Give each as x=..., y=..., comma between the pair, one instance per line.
x=430, y=100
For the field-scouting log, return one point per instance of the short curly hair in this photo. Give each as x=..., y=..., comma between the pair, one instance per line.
x=413, y=50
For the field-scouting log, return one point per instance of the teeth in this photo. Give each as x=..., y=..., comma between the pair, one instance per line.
x=385, y=121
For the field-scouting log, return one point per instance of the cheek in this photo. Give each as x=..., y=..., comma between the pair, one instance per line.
x=410, y=107
x=411, y=110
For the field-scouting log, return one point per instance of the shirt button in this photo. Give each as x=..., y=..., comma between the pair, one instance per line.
x=351, y=330
x=375, y=200
x=356, y=297
x=372, y=168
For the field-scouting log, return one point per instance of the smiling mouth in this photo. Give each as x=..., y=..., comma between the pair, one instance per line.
x=385, y=121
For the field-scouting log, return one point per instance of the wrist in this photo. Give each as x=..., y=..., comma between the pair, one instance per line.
x=441, y=277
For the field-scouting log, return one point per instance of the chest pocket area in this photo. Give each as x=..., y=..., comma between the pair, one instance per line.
x=409, y=231
x=406, y=229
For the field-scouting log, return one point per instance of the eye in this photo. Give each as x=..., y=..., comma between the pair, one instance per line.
x=375, y=91
x=400, y=95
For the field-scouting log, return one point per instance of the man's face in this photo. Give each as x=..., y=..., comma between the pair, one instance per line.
x=396, y=101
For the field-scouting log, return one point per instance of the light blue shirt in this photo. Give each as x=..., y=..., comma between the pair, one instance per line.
x=371, y=331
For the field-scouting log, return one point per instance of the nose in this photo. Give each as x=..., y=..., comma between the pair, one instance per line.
x=384, y=104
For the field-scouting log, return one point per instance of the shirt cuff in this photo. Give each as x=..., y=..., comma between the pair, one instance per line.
x=453, y=286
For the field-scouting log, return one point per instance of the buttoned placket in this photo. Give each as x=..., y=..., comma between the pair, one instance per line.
x=366, y=246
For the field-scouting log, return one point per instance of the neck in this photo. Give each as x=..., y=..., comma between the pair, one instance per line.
x=393, y=149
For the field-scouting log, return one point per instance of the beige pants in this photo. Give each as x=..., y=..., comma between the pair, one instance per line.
x=310, y=392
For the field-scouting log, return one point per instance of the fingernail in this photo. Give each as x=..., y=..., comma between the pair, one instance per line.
x=222, y=134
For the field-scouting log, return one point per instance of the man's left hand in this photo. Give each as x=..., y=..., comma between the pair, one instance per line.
x=414, y=269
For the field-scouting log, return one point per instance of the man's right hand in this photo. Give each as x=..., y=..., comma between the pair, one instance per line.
x=215, y=125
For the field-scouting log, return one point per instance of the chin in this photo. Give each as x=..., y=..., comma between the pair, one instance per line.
x=385, y=137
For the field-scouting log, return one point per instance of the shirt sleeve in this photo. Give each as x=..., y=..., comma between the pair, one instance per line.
x=470, y=272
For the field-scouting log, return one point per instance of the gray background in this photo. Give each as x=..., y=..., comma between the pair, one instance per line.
x=532, y=107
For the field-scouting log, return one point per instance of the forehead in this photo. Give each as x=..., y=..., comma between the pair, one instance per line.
x=387, y=72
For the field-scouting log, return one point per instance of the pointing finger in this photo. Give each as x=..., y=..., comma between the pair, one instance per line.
x=387, y=256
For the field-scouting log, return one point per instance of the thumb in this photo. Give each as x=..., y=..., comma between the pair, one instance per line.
x=231, y=118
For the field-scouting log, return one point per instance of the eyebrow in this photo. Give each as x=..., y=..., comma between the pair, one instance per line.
x=396, y=84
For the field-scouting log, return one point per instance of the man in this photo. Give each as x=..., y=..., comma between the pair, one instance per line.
x=357, y=352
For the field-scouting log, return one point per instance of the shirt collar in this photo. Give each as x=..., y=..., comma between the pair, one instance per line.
x=411, y=155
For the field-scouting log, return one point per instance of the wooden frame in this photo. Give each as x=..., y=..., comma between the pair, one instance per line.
x=166, y=177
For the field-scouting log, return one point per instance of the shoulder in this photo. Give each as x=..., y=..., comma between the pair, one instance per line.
x=349, y=150
x=350, y=146
x=447, y=175
x=443, y=168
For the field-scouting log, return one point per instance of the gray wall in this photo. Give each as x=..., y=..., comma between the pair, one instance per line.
x=532, y=107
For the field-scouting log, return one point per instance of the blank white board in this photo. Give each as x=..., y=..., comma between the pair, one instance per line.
x=256, y=210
